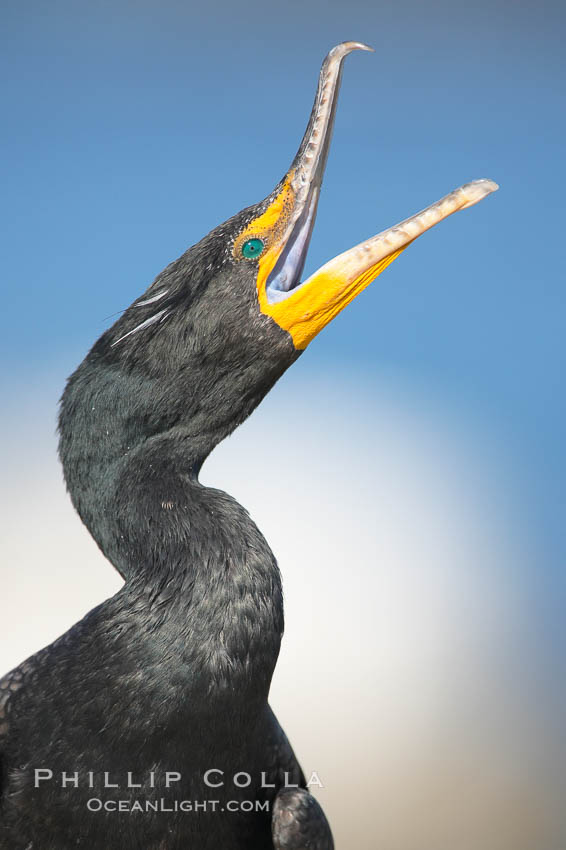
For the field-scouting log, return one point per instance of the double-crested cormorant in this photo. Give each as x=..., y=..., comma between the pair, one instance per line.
x=147, y=724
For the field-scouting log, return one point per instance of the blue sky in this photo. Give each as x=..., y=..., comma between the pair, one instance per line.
x=131, y=129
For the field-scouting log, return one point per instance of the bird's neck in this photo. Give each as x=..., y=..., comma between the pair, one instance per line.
x=200, y=578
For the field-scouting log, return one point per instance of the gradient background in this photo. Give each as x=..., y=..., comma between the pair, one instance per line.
x=409, y=470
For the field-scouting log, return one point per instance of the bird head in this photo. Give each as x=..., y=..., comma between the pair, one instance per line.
x=205, y=343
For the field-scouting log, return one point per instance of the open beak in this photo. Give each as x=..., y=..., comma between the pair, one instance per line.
x=286, y=224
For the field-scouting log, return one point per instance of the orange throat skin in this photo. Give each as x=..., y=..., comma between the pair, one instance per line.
x=308, y=308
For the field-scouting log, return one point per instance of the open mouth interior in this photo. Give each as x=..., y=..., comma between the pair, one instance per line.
x=286, y=274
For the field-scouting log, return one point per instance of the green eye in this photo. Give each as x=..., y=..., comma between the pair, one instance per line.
x=252, y=248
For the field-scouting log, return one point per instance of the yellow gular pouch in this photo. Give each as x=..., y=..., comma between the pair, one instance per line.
x=309, y=308
x=306, y=310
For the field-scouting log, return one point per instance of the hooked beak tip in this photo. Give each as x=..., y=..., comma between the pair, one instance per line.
x=341, y=50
